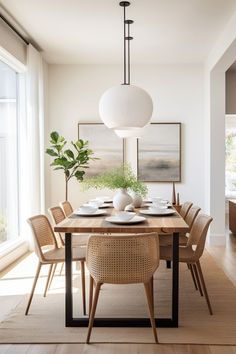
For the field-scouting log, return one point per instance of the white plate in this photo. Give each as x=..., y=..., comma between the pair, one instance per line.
x=105, y=201
x=105, y=205
x=135, y=220
x=97, y=213
x=164, y=212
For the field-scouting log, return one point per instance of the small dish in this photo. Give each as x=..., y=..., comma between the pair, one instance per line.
x=98, y=212
x=125, y=215
x=157, y=208
x=96, y=203
x=135, y=220
x=163, y=212
x=105, y=199
x=87, y=209
x=156, y=199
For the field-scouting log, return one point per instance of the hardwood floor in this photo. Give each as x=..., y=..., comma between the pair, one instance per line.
x=115, y=349
x=225, y=257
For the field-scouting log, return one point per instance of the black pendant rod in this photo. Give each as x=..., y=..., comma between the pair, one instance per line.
x=124, y=4
x=124, y=49
x=129, y=22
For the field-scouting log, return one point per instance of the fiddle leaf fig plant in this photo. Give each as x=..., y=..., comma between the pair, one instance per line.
x=71, y=161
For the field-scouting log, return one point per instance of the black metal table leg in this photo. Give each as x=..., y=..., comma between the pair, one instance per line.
x=69, y=298
x=122, y=322
x=175, y=280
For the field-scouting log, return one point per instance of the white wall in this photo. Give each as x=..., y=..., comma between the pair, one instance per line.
x=222, y=56
x=177, y=92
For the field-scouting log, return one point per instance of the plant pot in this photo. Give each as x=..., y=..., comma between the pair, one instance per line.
x=137, y=200
x=121, y=199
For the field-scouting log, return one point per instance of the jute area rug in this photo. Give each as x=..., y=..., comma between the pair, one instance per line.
x=45, y=323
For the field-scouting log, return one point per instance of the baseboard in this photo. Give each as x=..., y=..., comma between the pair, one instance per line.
x=13, y=253
x=216, y=240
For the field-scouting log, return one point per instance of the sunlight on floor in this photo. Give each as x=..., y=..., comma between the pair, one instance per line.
x=19, y=279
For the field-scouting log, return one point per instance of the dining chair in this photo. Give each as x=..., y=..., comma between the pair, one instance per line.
x=57, y=214
x=192, y=252
x=78, y=240
x=122, y=260
x=185, y=209
x=66, y=207
x=167, y=239
x=47, y=250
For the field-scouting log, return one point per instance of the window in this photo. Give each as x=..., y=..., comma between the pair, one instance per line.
x=230, y=156
x=9, y=177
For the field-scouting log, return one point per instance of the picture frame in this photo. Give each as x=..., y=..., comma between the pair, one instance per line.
x=106, y=145
x=159, y=153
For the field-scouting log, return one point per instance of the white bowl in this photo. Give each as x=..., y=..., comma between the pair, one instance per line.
x=104, y=199
x=158, y=209
x=87, y=209
x=160, y=205
x=125, y=215
x=96, y=203
x=156, y=199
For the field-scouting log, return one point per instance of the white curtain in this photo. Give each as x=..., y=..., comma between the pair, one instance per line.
x=35, y=128
x=32, y=140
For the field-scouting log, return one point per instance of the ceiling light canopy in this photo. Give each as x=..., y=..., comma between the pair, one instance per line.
x=126, y=107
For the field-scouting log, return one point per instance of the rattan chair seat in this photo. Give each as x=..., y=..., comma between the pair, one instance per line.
x=186, y=254
x=58, y=254
x=166, y=239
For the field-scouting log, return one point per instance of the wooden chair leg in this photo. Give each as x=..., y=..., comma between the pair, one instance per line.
x=152, y=291
x=83, y=287
x=197, y=279
x=90, y=294
x=147, y=287
x=94, y=306
x=48, y=279
x=168, y=264
x=62, y=266
x=52, y=275
x=33, y=288
x=193, y=276
x=204, y=287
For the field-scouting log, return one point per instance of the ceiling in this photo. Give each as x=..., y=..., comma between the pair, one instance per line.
x=90, y=31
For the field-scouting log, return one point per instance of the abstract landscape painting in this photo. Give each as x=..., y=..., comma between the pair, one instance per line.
x=159, y=153
x=106, y=145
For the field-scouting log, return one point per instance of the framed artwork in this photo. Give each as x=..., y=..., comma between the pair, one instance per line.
x=106, y=145
x=159, y=153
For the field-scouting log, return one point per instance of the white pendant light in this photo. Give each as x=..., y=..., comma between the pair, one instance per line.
x=126, y=106
x=132, y=133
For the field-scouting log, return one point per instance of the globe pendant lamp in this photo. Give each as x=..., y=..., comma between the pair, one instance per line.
x=126, y=108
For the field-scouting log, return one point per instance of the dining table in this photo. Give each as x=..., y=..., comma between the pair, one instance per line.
x=169, y=224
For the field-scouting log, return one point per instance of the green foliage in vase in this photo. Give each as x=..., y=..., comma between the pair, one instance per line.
x=71, y=162
x=121, y=177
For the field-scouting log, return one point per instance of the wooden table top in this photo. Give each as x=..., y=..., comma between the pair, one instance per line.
x=93, y=224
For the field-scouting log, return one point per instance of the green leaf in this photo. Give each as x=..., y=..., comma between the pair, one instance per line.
x=51, y=152
x=62, y=161
x=54, y=136
x=70, y=154
x=58, y=168
x=79, y=175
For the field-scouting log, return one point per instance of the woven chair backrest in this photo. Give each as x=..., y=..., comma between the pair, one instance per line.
x=191, y=216
x=42, y=233
x=198, y=233
x=185, y=209
x=67, y=208
x=123, y=259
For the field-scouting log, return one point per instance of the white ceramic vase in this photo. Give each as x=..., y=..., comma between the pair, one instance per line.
x=137, y=199
x=121, y=199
